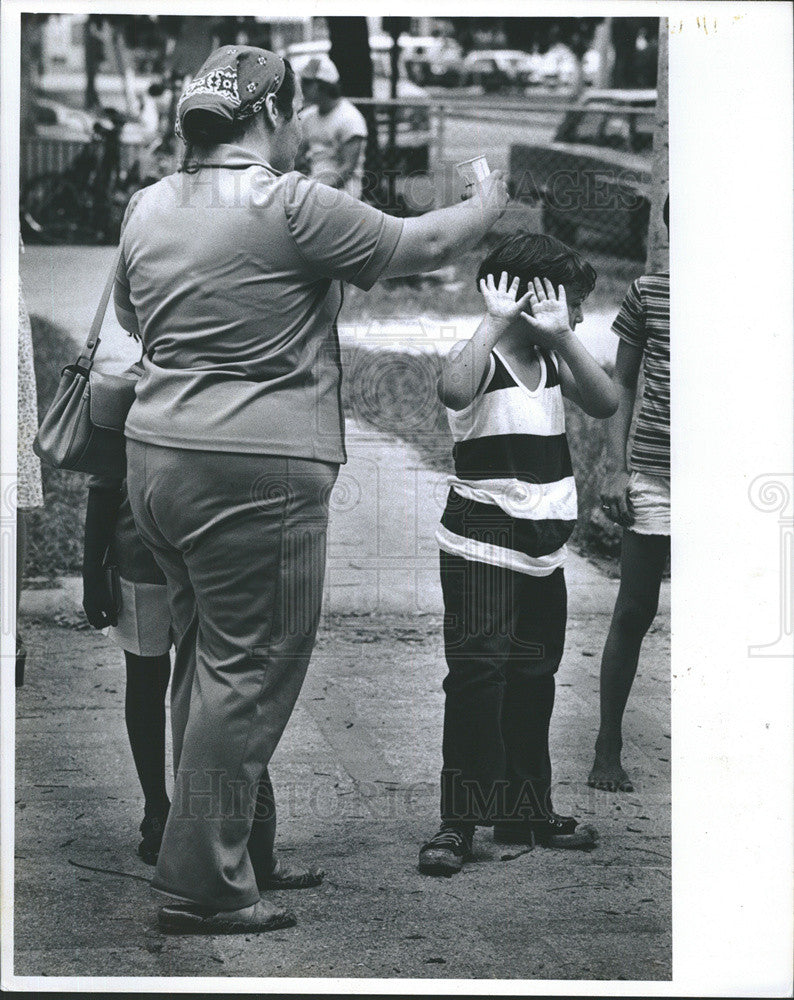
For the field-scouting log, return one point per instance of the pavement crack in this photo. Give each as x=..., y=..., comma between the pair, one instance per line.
x=109, y=871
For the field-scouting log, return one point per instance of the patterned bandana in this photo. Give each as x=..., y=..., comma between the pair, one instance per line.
x=233, y=84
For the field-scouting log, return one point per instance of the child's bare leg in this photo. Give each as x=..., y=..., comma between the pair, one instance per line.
x=643, y=558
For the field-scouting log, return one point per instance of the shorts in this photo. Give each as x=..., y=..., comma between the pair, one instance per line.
x=650, y=502
x=144, y=622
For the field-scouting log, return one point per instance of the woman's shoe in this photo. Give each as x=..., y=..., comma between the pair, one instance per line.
x=255, y=919
x=283, y=877
x=152, y=836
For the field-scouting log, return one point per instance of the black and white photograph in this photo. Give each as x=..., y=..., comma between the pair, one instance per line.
x=393, y=537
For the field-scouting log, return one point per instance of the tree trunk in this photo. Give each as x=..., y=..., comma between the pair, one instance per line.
x=351, y=55
x=624, y=42
x=658, y=247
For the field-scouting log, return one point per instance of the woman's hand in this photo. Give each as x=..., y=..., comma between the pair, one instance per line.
x=548, y=317
x=98, y=603
x=615, y=500
x=500, y=300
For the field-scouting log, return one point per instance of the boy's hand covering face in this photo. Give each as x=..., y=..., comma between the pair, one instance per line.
x=548, y=318
x=500, y=300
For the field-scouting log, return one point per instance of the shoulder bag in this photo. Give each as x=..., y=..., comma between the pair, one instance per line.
x=83, y=430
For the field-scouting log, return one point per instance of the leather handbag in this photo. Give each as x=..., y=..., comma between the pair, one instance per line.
x=83, y=430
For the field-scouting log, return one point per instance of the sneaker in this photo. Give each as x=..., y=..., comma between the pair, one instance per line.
x=151, y=836
x=446, y=852
x=552, y=830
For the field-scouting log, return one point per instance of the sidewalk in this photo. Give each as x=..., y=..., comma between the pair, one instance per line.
x=356, y=778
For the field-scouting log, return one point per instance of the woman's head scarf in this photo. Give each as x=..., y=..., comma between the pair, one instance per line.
x=232, y=84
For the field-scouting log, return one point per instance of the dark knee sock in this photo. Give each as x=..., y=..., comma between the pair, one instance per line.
x=144, y=713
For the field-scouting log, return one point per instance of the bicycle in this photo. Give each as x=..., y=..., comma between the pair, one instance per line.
x=85, y=203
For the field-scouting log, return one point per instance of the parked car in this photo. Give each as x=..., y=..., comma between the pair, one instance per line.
x=500, y=69
x=53, y=120
x=445, y=70
x=595, y=174
x=57, y=119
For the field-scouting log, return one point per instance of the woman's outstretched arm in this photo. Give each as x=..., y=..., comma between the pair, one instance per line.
x=432, y=240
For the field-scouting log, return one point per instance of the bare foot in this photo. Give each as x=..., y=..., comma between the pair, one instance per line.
x=609, y=778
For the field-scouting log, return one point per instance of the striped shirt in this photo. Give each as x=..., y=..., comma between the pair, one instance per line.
x=644, y=322
x=512, y=500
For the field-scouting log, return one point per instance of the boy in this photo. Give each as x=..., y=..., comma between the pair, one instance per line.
x=510, y=509
x=639, y=501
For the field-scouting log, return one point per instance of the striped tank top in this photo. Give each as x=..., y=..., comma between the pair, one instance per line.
x=512, y=500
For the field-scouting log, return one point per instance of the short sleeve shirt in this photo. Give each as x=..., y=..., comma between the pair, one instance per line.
x=644, y=322
x=327, y=134
x=234, y=274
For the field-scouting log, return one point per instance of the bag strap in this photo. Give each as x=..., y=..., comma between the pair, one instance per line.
x=86, y=358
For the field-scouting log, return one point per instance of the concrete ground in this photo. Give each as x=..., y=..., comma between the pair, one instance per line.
x=356, y=777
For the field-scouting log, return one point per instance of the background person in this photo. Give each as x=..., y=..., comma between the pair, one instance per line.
x=334, y=130
x=636, y=496
x=231, y=275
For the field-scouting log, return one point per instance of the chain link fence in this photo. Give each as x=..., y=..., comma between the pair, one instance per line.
x=579, y=171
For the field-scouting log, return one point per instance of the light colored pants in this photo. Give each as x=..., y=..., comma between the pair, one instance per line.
x=241, y=540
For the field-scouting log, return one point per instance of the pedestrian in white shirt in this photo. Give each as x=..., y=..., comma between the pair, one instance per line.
x=334, y=130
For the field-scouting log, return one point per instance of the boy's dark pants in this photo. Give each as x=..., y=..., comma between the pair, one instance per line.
x=504, y=634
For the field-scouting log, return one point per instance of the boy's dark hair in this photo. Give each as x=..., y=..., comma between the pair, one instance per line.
x=526, y=255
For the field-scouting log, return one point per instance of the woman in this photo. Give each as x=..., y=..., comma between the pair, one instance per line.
x=231, y=274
